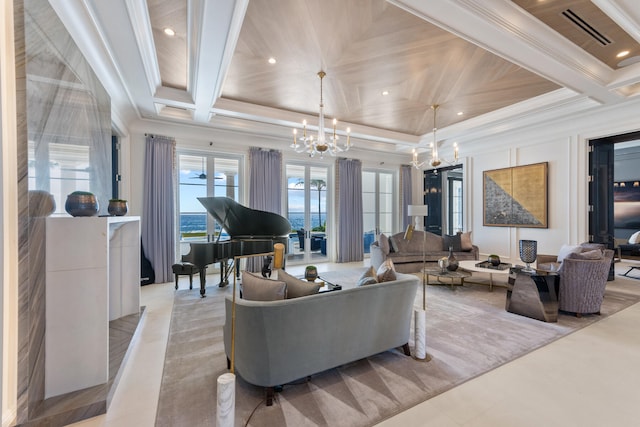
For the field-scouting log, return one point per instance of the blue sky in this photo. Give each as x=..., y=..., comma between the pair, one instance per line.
x=197, y=188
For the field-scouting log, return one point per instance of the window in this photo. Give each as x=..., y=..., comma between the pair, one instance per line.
x=377, y=205
x=204, y=176
x=307, y=212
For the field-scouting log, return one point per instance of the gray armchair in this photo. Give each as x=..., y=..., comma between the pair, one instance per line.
x=583, y=282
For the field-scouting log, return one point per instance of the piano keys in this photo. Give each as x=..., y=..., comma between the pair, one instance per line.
x=250, y=231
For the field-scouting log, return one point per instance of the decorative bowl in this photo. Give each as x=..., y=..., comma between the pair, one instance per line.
x=41, y=203
x=81, y=203
x=117, y=207
x=494, y=260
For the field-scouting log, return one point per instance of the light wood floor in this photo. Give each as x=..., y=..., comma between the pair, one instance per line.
x=589, y=378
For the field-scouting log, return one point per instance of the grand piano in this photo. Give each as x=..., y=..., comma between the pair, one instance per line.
x=251, y=231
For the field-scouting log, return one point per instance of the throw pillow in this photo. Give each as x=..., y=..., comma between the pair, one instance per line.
x=383, y=241
x=594, y=254
x=368, y=277
x=635, y=238
x=297, y=287
x=465, y=241
x=452, y=241
x=398, y=244
x=386, y=272
x=565, y=250
x=257, y=288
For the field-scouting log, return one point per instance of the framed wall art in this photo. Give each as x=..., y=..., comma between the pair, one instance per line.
x=516, y=196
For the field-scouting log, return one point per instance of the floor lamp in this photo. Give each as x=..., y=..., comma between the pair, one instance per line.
x=420, y=315
x=226, y=403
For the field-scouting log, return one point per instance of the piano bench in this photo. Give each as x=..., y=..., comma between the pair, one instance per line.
x=183, y=268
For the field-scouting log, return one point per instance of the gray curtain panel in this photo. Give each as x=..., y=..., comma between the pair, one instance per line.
x=350, y=226
x=158, y=230
x=407, y=190
x=265, y=180
x=265, y=187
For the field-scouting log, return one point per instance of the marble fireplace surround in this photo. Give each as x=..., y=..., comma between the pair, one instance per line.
x=59, y=100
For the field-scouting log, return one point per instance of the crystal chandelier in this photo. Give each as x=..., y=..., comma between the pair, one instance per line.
x=322, y=142
x=435, y=160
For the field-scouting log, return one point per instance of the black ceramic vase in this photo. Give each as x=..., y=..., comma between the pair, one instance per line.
x=452, y=261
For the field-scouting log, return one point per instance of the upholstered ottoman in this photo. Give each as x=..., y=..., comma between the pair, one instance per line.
x=184, y=268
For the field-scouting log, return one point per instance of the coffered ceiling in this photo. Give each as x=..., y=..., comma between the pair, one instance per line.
x=485, y=62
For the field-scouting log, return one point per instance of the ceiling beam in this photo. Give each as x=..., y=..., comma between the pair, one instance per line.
x=213, y=30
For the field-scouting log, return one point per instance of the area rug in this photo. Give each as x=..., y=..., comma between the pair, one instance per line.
x=468, y=333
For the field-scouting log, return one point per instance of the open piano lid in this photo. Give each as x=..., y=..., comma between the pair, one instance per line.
x=242, y=222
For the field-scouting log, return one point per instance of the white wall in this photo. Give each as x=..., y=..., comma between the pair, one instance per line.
x=562, y=143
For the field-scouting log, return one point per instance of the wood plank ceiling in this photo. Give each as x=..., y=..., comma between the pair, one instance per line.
x=368, y=47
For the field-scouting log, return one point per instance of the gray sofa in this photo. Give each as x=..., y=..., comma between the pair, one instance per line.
x=281, y=341
x=407, y=254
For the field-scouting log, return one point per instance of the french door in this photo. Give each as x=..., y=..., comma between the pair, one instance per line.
x=307, y=212
x=203, y=175
x=377, y=205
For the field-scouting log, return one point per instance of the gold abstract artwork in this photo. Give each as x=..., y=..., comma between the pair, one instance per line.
x=516, y=196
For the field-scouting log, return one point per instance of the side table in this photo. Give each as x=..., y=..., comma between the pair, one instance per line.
x=533, y=295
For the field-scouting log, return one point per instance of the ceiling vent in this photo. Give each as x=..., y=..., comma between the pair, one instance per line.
x=586, y=27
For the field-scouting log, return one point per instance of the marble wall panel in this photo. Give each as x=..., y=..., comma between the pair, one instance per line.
x=60, y=102
x=68, y=111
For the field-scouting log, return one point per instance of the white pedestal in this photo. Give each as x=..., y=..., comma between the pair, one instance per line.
x=93, y=276
x=420, y=330
x=225, y=412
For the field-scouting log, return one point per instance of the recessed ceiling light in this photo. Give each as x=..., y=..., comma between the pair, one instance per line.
x=460, y=113
x=622, y=54
x=169, y=31
x=385, y=92
x=629, y=61
x=272, y=60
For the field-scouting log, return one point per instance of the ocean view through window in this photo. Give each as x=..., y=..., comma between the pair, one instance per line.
x=204, y=175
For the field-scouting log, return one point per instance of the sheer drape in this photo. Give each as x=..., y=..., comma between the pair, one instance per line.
x=265, y=187
x=407, y=191
x=158, y=230
x=350, y=226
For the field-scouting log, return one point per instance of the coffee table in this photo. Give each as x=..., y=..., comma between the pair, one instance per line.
x=470, y=265
x=325, y=285
x=451, y=275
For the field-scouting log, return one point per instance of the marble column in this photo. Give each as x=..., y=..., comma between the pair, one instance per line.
x=225, y=413
x=420, y=334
